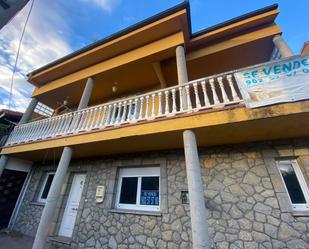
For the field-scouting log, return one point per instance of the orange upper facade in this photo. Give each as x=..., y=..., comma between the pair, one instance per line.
x=127, y=58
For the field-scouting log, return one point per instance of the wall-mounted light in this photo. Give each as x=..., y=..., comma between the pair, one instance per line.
x=114, y=87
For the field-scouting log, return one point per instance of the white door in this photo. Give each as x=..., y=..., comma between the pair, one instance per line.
x=70, y=212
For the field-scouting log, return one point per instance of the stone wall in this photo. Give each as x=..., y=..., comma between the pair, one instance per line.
x=247, y=205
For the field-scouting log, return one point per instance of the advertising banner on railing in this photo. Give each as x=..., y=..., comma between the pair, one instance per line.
x=276, y=82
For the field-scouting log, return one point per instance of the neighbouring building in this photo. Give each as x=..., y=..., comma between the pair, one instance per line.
x=169, y=139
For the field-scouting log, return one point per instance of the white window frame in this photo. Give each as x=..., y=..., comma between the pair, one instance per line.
x=47, y=174
x=302, y=183
x=139, y=173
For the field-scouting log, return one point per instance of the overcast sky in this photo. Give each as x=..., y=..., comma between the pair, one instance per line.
x=59, y=27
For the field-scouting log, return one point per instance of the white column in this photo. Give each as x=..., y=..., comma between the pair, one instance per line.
x=86, y=94
x=282, y=46
x=55, y=189
x=198, y=216
x=28, y=113
x=182, y=72
x=3, y=161
x=52, y=199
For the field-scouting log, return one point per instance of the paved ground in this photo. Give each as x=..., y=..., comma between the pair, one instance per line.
x=16, y=241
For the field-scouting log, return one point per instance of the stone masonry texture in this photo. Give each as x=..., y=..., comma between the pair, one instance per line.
x=247, y=206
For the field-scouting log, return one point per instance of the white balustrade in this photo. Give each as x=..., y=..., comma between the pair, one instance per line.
x=206, y=93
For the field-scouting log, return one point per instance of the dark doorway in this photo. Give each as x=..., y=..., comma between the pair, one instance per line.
x=11, y=183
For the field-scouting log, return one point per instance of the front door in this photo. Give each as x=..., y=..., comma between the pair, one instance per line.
x=70, y=212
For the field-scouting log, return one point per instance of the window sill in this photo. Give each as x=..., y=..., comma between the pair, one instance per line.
x=36, y=203
x=137, y=212
x=300, y=213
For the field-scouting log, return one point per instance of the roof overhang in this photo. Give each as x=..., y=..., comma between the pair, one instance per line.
x=164, y=24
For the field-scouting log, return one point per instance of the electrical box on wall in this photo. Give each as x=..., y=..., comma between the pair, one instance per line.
x=100, y=193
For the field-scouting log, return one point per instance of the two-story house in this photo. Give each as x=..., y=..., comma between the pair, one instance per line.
x=169, y=139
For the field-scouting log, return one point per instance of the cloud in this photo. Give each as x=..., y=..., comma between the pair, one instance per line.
x=107, y=5
x=46, y=39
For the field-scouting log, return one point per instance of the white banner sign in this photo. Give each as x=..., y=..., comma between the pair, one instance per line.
x=281, y=81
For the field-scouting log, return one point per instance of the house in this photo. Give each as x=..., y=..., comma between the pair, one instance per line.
x=169, y=139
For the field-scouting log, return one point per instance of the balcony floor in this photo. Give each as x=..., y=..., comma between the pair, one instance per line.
x=215, y=127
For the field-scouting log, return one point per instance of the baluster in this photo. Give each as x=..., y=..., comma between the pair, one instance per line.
x=188, y=97
x=135, y=110
x=112, y=121
x=98, y=117
x=103, y=117
x=82, y=121
x=224, y=95
x=67, y=123
x=108, y=115
x=234, y=93
x=141, y=110
x=181, y=98
x=30, y=128
x=119, y=113
x=37, y=128
x=167, y=108
x=153, y=105
x=130, y=111
x=94, y=118
x=57, y=126
x=78, y=120
x=89, y=119
x=31, y=134
x=147, y=107
x=50, y=128
x=197, y=98
x=160, y=104
x=124, y=113
x=53, y=127
x=214, y=94
x=39, y=134
x=26, y=128
x=206, y=99
x=46, y=127
x=174, y=108
x=86, y=120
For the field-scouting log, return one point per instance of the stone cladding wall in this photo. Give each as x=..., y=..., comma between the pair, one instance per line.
x=247, y=205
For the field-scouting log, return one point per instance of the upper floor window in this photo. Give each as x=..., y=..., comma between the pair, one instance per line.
x=295, y=184
x=46, y=184
x=139, y=189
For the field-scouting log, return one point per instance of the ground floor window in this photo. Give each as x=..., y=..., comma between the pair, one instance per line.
x=139, y=189
x=295, y=184
x=46, y=184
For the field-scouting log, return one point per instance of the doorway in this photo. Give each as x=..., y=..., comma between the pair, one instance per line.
x=70, y=211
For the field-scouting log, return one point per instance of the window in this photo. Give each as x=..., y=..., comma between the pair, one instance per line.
x=139, y=189
x=48, y=179
x=295, y=184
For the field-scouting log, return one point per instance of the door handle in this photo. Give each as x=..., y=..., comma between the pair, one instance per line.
x=74, y=209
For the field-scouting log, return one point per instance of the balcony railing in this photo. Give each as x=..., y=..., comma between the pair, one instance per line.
x=197, y=95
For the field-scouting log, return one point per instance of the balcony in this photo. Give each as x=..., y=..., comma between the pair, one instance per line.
x=204, y=94
x=213, y=106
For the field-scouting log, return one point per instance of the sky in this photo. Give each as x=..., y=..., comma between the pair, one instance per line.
x=57, y=28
